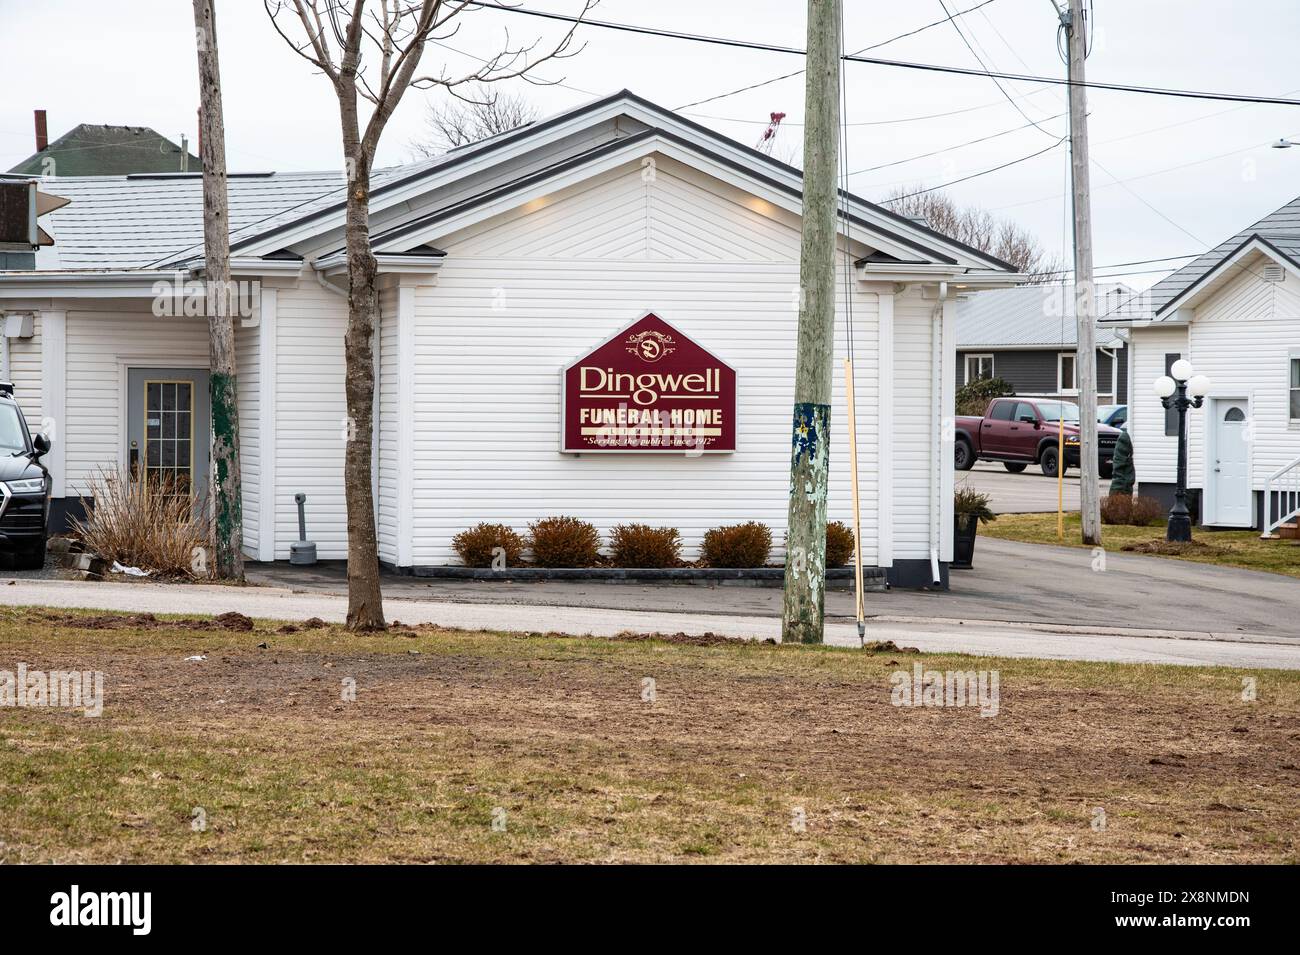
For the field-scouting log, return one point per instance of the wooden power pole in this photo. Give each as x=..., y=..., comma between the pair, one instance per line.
x=219, y=299
x=805, y=563
x=1085, y=298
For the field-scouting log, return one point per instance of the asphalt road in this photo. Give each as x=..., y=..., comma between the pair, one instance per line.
x=1026, y=583
x=1028, y=491
x=997, y=639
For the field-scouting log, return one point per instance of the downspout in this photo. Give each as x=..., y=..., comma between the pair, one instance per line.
x=936, y=409
x=326, y=283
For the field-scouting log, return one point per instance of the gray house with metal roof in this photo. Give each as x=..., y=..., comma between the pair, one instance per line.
x=1027, y=337
x=500, y=262
x=1234, y=313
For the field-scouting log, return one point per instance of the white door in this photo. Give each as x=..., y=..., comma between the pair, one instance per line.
x=1229, y=465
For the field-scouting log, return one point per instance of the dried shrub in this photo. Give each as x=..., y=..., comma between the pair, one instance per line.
x=478, y=545
x=1146, y=511
x=640, y=545
x=564, y=542
x=737, y=545
x=153, y=523
x=839, y=544
x=1127, y=509
x=1116, y=508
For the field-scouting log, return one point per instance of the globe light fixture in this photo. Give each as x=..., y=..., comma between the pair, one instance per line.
x=1165, y=386
x=1198, y=386
x=1181, y=370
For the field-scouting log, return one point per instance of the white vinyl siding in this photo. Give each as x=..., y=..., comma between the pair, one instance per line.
x=311, y=418
x=100, y=344
x=386, y=505
x=248, y=375
x=492, y=336
x=1155, y=454
x=1242, y=339
x=25, y=373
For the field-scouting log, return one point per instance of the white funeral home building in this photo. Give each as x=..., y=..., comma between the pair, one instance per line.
x=561, y=305
x=1234, y=313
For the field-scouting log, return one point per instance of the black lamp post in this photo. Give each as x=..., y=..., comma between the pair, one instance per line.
x=1181, y=391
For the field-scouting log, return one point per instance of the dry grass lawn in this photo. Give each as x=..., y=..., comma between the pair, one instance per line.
x=1242, y=549
x=551, y=736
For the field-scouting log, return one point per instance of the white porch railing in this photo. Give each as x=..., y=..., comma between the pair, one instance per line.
x=1283, y=489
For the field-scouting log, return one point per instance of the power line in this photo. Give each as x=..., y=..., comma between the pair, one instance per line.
x=976, y=175
x=972, y=142
x=899, y=64
x=1122, y=265
x=875, y=122
x=865, y=49
x=996, y=82
x=1145, y=175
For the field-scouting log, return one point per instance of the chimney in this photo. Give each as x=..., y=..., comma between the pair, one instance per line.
x=42, y=134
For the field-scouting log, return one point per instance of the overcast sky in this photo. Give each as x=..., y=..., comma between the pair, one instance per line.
x=133, y=62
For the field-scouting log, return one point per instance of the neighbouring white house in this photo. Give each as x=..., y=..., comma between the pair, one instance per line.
x=1234, y=313
x=541, y=290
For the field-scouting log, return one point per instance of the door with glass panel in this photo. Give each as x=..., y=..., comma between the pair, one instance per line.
x=168, y=426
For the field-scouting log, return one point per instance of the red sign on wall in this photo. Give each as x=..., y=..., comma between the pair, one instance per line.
x=649, y=388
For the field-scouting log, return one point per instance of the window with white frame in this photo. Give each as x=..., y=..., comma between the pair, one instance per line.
x=978, y=366
x=1065, y=380
x=1293, y=392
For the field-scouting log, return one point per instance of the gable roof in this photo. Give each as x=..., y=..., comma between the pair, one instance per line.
x=155, y=221
x=1280, y=229
x=91, y=150
x=1034, y=315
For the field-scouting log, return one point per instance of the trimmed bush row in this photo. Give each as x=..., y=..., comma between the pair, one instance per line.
x=571, y=542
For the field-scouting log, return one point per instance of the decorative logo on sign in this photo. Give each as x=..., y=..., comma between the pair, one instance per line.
x=613, y=402
x=650, y=345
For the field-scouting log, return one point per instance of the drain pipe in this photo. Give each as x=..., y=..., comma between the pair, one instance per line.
x=936, y=406
x=326, y=283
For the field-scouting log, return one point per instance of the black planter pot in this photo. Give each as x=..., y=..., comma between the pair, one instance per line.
x=965, y=526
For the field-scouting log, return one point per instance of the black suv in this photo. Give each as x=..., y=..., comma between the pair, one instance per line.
x=24, y=486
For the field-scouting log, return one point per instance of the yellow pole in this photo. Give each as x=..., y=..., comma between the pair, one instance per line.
x=1060, y=477
x=857, y=520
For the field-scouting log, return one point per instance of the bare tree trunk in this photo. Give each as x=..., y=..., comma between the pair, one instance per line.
x=397, y=34
x=228, y=518
x=365, y=599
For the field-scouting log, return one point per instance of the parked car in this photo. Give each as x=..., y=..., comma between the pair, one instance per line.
x=1024, y=431
x=1114, y=415
x=24, y=486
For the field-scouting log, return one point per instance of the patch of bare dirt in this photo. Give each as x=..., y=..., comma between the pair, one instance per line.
x=140, y=621
x=1173, y=548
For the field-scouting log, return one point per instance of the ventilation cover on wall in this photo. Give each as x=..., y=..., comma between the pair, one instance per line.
x=1273, y=273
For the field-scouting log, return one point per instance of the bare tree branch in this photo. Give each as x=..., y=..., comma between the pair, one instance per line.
x=396, y=34
x=980, y=229
x=482, y=113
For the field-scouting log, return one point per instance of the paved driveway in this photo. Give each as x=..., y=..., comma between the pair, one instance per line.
x=928, y=635
x=1028, y=491
x=1026, y=583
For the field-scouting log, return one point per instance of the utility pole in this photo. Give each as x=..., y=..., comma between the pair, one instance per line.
x=805, y=564
x=1085, y=298
x=228, y=521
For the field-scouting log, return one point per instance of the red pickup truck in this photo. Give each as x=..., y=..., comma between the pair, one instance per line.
x=1024, y=431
